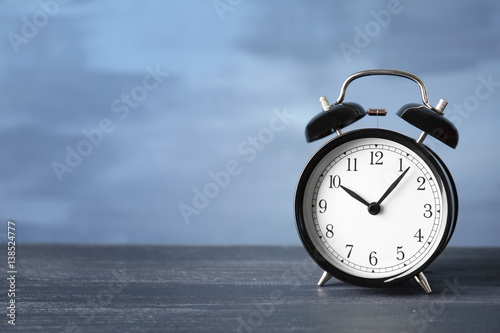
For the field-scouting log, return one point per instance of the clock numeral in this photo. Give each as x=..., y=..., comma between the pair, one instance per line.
x=334, y=181
x=322, y=206
x=428, y=212
x=350, y=250
x=329, y=231
x=400, y=254
x=354, y=164
x=376, y=155
x=400, y=165
x=373, y=260
x=421, y=181
x=419, y=236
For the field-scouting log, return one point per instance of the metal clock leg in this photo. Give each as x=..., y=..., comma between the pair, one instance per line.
x=422, y=282
x=324, y=278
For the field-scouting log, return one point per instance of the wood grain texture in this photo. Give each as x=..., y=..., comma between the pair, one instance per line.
x=85, y=288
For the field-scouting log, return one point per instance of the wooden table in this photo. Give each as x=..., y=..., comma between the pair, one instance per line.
x=86, y=288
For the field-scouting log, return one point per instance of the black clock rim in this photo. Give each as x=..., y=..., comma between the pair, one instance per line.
x=454, y=193
x=431, y=158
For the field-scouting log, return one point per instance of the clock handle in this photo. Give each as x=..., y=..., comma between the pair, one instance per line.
x=423, y=90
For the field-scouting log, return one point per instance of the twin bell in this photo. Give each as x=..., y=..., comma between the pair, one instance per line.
x=427, y=118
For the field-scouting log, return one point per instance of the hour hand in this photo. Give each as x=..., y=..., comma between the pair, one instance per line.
x=355, y=195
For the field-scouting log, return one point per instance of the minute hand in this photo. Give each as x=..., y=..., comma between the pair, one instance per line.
x=393, y=186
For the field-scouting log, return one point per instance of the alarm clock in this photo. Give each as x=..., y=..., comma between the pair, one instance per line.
x=374, y=207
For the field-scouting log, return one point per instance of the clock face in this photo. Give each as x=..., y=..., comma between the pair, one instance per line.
x=372, y=206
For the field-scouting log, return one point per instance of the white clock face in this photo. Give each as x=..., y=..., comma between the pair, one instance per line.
x=375, y=209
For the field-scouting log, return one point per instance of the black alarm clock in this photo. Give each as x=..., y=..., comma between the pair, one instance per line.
x=374, y=207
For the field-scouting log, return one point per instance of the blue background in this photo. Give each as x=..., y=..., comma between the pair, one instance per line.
x=75, y=78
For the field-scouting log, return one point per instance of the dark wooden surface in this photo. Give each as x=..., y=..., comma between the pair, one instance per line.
x=70, y=288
